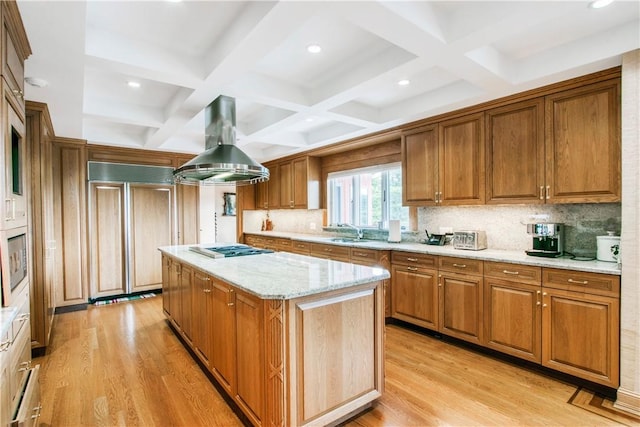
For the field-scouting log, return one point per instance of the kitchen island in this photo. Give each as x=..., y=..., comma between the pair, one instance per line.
x=292, y=339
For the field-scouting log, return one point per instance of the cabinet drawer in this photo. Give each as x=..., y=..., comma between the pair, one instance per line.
x=22, y=317
x=283, y=244
x=579, y=281
x=29, y=409
x=255, y=241
x=299, y=247
x=460, y=265
x=514, y=272
x=340, y=253
x=20, y=355
x=364, y=256
x=411, y=258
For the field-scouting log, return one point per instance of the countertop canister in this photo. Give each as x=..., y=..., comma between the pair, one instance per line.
x=608, y=247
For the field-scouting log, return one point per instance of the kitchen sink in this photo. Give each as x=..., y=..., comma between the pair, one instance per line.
x=348, y=240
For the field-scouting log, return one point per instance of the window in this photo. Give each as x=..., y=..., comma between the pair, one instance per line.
x=367, y=197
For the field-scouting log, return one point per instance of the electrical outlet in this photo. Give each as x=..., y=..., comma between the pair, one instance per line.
x=312, y=226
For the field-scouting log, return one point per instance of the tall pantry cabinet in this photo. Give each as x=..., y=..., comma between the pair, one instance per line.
x=19, y=384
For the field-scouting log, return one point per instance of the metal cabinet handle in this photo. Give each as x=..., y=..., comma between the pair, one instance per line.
x=412, y=268
x=18, y=93
x=538, y=298
x=206, y=291
x=460, y=265
x=547, y=192
x=580, y=282
x=542, y=192
x=515, y=273
x=360, y=254
x=412, y=259
x=328, y=250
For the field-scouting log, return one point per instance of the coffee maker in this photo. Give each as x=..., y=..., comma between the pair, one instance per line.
x=548, y=239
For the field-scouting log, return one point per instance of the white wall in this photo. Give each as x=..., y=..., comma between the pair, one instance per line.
x=215, y=227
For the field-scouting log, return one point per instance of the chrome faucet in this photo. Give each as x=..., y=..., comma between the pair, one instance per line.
x=359, y=231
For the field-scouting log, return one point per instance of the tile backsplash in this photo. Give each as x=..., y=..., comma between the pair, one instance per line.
x=504, y=225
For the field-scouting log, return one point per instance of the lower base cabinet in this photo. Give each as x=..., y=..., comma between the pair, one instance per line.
x=565, y=320
x=271, y=356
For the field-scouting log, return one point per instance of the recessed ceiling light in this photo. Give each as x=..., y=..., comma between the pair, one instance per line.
x=597, y=4
x=133, y=84
x=314, y=48
x=36, y=81
x=309, y=119
x=403, y=82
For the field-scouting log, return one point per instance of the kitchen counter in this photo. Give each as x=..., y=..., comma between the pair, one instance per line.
x=516, y=257
x=279, y=275
x=293, y=340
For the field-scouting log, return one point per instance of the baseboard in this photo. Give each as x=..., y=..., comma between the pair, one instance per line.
x=628, y=401
x=70, y=308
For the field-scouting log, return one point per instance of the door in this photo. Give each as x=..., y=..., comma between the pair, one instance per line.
x=420, y=167
x=107, y=216
x=582, y=145
x=512, y=318
x=580, y=335
x=151, y=222
x=415, y=295
x=461, y=168
x=461, y=306
x=515, y=153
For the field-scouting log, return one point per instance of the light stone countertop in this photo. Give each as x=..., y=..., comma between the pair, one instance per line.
x=279, y=275
x=515, y=257
x=7, y=316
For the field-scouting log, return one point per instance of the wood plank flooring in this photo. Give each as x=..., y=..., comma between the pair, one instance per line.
x=121, y=365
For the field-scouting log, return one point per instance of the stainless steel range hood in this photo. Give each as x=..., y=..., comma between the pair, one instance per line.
x=222, y=162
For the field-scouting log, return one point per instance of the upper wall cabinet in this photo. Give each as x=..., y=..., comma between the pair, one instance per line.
x=293, y=184
x=515, y=153
x=583, y=153
x=443, y=164
x=15, y=188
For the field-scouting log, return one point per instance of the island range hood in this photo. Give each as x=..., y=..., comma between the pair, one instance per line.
x=222, y=162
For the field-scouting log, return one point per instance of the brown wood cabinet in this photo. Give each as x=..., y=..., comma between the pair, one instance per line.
x=375, y=258
x=166, y=285
x=39, y=133
x=201, y=303
x=333, y=252
x=15, y=188
x=512, y=309
x=443, y=164
x=300, y=247
x=187, y=201
x=515, y=153
x=461, y=295
x=414, y=289
x=293, y=184
x=223, y=333
x=262, y=194
x=583, y=150
x=581, y=325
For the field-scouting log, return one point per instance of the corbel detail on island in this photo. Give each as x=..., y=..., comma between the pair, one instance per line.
x=275, y=352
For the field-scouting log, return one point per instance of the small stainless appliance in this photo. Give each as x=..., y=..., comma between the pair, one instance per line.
x=228, y=251
x=548, y=239
x=474, y=240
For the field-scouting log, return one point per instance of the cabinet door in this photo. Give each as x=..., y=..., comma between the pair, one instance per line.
x=286, y=185
x=188, y=205
x=151, y=226
x=273, y=193
x=515, y=153
x=580, y=335
x=512, y=318
x=461, y=168
x=415, y=295
x=201, y=309
x=582, y=145
x=15, y=174
x=461, y=306
x=250, y=355
x=420, y=167
x=175, y=303
x=301, y=182
x=262, y=194
x=223, y=334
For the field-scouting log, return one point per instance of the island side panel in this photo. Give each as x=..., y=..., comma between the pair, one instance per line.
x=275, y=363
x=336, y=353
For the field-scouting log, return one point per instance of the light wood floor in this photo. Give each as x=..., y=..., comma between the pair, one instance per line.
x=121, y=364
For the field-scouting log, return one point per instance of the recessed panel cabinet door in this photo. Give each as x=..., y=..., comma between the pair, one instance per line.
x=461, y=169
x=107, y=240
x=515, y=153
x=415, y=295
x=581, y=335
x=461, y=306
x=582, y=146
x=151, y=227
x=420, y=167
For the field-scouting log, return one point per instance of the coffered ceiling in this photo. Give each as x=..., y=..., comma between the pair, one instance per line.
x=185, y=54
